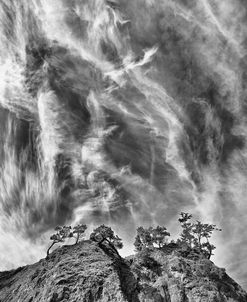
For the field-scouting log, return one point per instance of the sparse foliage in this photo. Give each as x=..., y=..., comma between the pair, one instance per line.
x=151, y=237
x=78, y=231
x=196, y=235
x=186, y=236
x=61, y=234
x=104, y=234
x=202, y=232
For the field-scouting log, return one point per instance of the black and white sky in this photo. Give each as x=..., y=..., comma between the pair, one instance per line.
x=123, y=112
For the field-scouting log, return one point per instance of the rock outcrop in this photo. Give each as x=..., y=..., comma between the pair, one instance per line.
x=86, y=272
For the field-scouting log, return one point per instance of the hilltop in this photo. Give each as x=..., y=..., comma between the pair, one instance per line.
x=87, y=272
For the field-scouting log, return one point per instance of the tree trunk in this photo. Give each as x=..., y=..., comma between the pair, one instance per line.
x=77, y=238
x=114, y=249
x=199, y=241
x=47, y=253
x=210, y=250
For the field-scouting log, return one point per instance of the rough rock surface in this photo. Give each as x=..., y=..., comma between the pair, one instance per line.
x=87, y=273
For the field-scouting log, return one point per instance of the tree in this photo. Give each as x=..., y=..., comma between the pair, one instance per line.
x=143, y=239
x=184, y=217
x=151, y=237
x=202, y=233
x=159, y=236
x=78, y=231
x=207, y=249
x=186, y=236
x=138, y=243
x=59, y=236
x=196, y=235
x=104, y=234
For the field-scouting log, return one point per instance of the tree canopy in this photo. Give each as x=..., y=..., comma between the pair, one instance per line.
x=194, y=235
x=62, y=232
x=197, y=234
x=104, y=234
x=79, y=231
x=151, y=237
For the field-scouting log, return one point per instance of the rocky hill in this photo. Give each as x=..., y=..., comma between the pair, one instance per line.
x=86, y=272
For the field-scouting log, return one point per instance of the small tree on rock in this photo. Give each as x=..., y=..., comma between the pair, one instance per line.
x=196, y=235
x=78, y=232
x=151, y=237
x=104, y=234
x=186, y=237
x=61, y=234
x=202, y=232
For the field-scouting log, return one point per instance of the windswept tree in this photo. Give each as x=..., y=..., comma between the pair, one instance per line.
x=186, y=237
x=196, y=235
x=104, y=234
x=79, y=232
x=202, y=232
x=151, y=237
x=61, y=234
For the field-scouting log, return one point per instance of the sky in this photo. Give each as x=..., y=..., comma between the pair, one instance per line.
x=124, y=113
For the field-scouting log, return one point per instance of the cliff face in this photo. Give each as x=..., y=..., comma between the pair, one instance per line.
x=87, y=273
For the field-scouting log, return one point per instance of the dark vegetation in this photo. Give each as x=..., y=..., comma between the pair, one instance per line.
x=92, y=270
x=194, y=237
x=151, y=237
x=65, y=232
x=104, y=234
